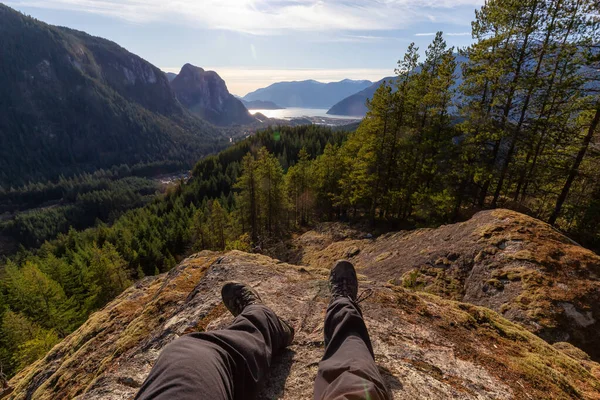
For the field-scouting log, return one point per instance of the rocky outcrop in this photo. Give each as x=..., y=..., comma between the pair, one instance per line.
x=205, y=93
x=426, y=347
x=500, y=259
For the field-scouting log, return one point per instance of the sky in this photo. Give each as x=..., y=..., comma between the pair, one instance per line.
x=254, y=43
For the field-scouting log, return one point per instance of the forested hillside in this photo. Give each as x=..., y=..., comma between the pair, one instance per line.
x=47, y=293
x=72, y=103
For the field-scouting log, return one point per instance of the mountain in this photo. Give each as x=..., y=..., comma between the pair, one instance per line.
x=170, y=76
x=261, y=105
x=205, y=94
x=71, y=102
x=308, y=94
x=356, y=104
x=427, y=344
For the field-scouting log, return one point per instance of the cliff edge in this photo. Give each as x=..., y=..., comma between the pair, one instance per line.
x=427, y=347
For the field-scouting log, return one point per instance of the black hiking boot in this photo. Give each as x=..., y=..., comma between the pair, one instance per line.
x=289, y=332
x=343, y=281
x=237, y=296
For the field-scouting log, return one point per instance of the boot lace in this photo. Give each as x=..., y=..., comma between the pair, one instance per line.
x=364, y=295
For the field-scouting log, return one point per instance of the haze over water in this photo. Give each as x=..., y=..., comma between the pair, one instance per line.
x=297, y=112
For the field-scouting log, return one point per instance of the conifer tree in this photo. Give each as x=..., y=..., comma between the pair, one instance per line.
x=247, y=201
x=271, y=198
x=298, y=187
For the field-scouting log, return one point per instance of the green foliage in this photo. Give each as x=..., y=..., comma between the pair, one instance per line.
x=299, y=189
x=34, y=293
x=262, y=204
x=79, y=203
x=25, y=339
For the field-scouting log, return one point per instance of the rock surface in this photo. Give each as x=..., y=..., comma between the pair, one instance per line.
x=426, y=347
x=500, y=259
x=205, y=93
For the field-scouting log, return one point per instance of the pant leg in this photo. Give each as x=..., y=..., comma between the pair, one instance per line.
x=221, y=365
x=348, y=369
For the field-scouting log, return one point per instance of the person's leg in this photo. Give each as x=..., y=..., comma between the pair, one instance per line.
x=348, y=369
x=223, y=364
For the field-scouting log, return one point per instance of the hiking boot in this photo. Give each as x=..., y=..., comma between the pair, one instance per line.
x=289, y=332
x=237, y=296
x=343, y=281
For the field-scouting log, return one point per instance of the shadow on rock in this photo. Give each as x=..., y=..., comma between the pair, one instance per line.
x=274, y=387
x=391, y=381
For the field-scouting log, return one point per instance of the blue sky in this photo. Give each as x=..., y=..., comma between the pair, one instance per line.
x=253, y=43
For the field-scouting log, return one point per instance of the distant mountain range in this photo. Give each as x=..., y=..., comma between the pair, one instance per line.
x=356, y=104
x=261, y=105
x=205, y=94
x=308, y=94
x=170, y=76
x=71, y=102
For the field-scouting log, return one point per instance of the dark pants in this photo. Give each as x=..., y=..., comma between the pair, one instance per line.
x=229, y=364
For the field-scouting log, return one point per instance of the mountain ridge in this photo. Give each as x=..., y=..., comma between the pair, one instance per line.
x=356, y=104
x=74, y=103
x=307, y=93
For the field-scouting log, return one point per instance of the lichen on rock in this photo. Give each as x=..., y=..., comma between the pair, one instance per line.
x=426, y=347
x=499, y=259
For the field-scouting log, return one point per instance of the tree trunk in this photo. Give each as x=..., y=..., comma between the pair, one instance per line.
x=575, y=168
x=515, y=135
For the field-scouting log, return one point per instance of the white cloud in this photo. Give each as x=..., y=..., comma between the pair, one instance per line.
x=269, y=16
x=242, y=80
x=445, y=34
x=342, y=38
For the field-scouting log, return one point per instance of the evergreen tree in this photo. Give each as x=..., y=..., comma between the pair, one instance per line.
x=247, y=201
x=270, y=196
x=299, y=190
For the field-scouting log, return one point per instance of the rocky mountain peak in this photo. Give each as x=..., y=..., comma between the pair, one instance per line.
x=205, y=94
x=427, y=347
x=191, y=69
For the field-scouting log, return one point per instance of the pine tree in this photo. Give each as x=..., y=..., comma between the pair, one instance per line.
x=218, y=222
x=327, y=172
x=298, y=188
x=363, y=186
x=248, y=184
x=271, y=195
